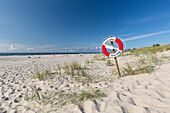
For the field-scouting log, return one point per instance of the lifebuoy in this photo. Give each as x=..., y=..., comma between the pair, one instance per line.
x=119, y=50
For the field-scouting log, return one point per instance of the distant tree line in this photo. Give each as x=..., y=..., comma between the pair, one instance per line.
x=155, y=45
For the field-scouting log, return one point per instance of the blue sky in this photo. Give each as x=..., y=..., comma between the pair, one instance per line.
x=80, y=25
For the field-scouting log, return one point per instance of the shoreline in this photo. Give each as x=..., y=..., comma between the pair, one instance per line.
x=29, y=54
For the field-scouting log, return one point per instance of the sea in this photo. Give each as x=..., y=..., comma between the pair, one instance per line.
x=25, y=54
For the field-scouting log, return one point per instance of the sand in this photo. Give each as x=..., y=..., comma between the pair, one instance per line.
x=143, y=93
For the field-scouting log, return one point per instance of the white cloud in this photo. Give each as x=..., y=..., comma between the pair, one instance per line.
x=15, y=47
x=147, y=35
x=143, y=20
x=30, y=49
x=126, y=34
x=149, y=18
x=45, y=46
x=12, y=47
x=97, y=47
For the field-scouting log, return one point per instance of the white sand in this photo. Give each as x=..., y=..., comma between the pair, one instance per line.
x=142, y=93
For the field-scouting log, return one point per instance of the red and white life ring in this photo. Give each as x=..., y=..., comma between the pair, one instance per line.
x=119, y=50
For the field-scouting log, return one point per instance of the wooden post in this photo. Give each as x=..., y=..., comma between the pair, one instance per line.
x=116, y=60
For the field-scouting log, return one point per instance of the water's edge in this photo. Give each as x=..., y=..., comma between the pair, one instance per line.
x=24, y=54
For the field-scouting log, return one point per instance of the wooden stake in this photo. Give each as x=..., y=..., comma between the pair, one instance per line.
x=116, y=60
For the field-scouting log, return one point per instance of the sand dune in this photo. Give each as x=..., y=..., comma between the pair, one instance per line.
x=143, y=93
x=135, y=94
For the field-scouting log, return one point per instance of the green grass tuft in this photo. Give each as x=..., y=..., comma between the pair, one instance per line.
x=72, y=70
x=144, y=65
x=108, y=63
x=59, y=69
x=86, y=95
x=43, y=75
x=84, y=74
x=76, y=65
x=88, y=62
x=67, y=69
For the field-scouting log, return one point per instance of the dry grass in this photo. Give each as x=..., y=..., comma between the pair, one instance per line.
x=88, y=62
x=67, y=69
x=61, y=98
x=59, y=69
x=91, y=94
x=72, y=71
x=147, y=50
x=75, y=65
x=108, y=63
x=144, y=65
x=43, y=75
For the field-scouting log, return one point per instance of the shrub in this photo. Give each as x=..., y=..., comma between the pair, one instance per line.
x=155, y=45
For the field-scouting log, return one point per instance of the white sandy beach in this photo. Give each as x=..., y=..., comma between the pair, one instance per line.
x=143, y=93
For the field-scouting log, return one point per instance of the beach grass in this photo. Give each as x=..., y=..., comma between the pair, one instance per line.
x=108, y=63
x=88, y=62
x=147, y=50
x=87, y=95
x=72, y=70
x=67, y=69
x=78, y=72
x=78, y=79
x=84, y=74
x=34, y=94
x=143, y=65
x=59, y=69
x=76, y=65
x=42, y=75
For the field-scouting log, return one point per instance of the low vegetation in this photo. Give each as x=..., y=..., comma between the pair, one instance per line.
x=147, y=50
x=61, y=98
x=42, y=75
x=108, y=63
x=129, y=70
x=83, y=77
x=59, y=69
x=34, y=94
x=67, y=69
x=84, y=74
x=85, y=95
x=75, y=65
x=144, y=65
x=88, y=62
x=72, y=71
x=99, y=58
